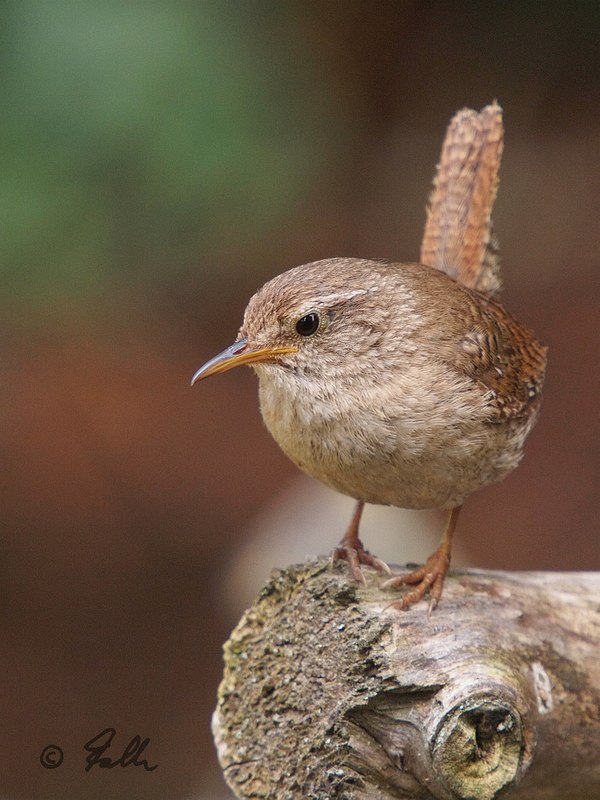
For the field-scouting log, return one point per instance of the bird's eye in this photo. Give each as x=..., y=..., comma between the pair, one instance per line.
x=308, y=325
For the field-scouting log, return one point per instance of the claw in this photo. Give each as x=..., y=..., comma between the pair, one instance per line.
x=429, y=577
x=381, y=566
x=352, y=550
x=356, y=555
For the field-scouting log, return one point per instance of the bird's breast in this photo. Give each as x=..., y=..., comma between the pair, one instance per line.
x=387, y=445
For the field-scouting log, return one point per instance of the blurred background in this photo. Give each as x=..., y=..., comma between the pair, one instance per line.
x=160, y=161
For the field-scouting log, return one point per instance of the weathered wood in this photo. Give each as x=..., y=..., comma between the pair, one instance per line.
x=328, y=695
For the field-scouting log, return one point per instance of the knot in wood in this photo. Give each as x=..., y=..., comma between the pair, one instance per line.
x=479, y=745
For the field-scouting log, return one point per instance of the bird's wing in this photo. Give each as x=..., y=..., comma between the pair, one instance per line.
x=503, y=357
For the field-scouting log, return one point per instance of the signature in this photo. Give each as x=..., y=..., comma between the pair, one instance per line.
x=130, y=757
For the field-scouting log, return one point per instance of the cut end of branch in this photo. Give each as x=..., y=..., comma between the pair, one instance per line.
x=324, y=696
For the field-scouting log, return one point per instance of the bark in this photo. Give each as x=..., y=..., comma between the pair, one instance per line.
x=326, y=694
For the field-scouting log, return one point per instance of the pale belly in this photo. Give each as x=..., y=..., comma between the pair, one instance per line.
x=428, y=459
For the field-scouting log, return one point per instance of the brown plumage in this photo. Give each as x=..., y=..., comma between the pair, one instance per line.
x=458, y=237
x=402, y=384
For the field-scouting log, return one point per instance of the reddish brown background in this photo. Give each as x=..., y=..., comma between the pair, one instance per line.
x=125, y=494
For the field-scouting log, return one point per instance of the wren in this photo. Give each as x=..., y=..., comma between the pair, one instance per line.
x=402, y=384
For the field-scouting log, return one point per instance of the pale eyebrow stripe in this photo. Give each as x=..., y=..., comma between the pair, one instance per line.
x=337, y=296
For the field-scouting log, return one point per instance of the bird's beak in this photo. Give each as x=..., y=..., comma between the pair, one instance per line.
x=239, y=353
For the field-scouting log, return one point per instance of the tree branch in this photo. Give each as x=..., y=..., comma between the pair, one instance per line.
x=328, y=695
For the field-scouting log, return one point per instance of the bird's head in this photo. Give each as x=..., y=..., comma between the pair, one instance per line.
x=326, y=313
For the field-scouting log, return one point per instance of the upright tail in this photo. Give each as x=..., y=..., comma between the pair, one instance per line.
x=458, y=237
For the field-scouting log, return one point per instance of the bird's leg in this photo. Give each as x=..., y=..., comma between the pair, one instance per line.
x=352, y=550
x=431, y=575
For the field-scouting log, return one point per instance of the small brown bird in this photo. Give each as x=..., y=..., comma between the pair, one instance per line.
x=402, y=384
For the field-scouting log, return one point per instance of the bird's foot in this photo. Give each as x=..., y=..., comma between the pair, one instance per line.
x=353, y=551
x=429, y=577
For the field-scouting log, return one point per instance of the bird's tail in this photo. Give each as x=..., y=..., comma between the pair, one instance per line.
x=458, y=237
